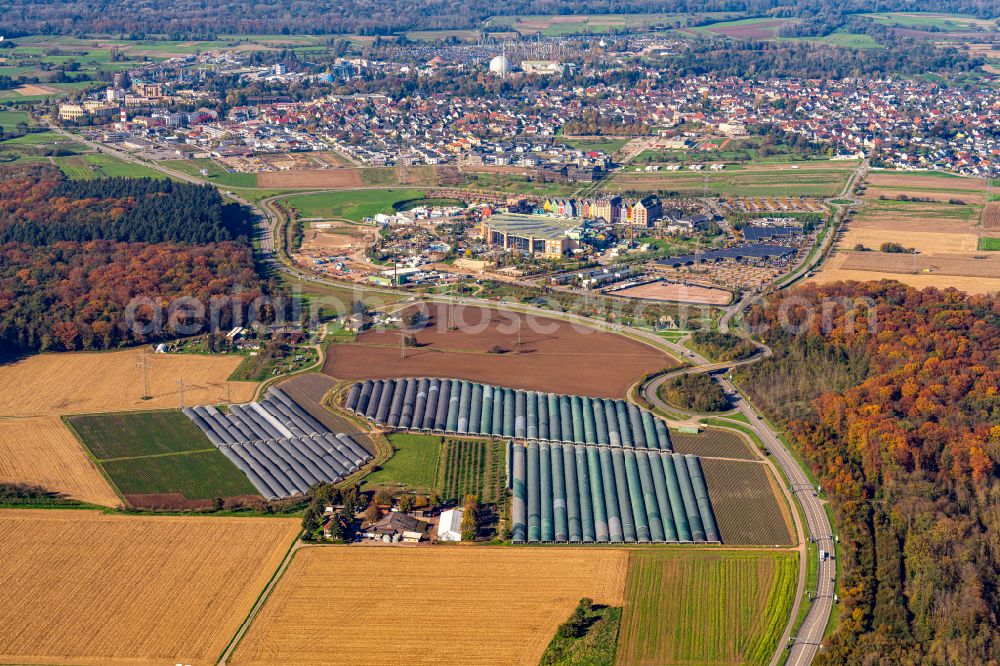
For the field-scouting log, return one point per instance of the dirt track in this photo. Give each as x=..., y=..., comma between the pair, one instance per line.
x=553, y=355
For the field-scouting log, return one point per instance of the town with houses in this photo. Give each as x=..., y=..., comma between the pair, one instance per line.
x=899, y=123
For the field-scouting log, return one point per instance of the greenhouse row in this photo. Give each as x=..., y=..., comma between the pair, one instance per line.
x=457, y=406
x=281, y=448
x=593, y=494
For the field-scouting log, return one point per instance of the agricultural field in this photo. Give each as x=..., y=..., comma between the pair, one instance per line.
x=991, y=216
x=10, y=119
x=474, y=467
x=160, y=459
x=214, y=173
x=676, y=292
x=943, y=237
x=461, y=605
x=940, y=22
x=85, y=587
x=83, y=382
x=352, y=205
x=713, y=443
x=552, y=356
x=705, y=607
x=413, y=465
x=86, y=167
x=577, y=24
x=604, y=145
x=749, y=506
x=989, y=244
x=925, y=185
x=750, y=28
x=761, y=180
x=40, y=451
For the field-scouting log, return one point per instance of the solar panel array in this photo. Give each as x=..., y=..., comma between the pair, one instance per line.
x=281, y=448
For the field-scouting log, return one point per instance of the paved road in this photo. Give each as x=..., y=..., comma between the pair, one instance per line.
x=810, y=633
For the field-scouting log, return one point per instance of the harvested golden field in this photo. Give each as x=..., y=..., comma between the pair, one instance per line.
x=41, y=451
x=77, y=383
x=455, y=605
x=944, y=236
x=921, y=241
x=837, y=268
x=83, y=587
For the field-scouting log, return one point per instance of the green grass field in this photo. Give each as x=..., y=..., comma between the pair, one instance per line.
x=159, y=452
x=132, y=434
x=989, y=244
x=351, y=204
x=474, y=467
x=202, y=475
x=10, y=119
x=607, y=146
x=942, y=22
x=413, y=465
x=823, y=180
x=86, y=167
x=214, y=172
x=704, y=607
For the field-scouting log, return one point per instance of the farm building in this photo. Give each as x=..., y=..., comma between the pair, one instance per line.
x=397, y=527
x=450, y=525
x=576, y=493
x=281, y=448
x=462, y=407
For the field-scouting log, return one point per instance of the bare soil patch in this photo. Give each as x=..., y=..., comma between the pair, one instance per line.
x=333, y=179
x=674, y=291
x=308, y=390
x=552, y=356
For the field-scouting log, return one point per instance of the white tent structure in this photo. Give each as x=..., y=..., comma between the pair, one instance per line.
x=450, y=525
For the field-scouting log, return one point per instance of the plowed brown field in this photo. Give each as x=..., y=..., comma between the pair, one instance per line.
x=82, y=587
x=76, y=383
x=748, y=503
x=553, y=355
x=41, y=451
x=991, y=216
x=454, y=605
x=310, y=178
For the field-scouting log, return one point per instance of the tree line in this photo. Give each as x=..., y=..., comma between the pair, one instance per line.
x=893, y=403
x=206, y=19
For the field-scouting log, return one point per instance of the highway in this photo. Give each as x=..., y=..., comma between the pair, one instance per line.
x=809, y=636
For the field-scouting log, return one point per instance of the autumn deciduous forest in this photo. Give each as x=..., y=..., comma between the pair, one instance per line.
x=901, y=425
x=38, y=206
x=74, y=255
